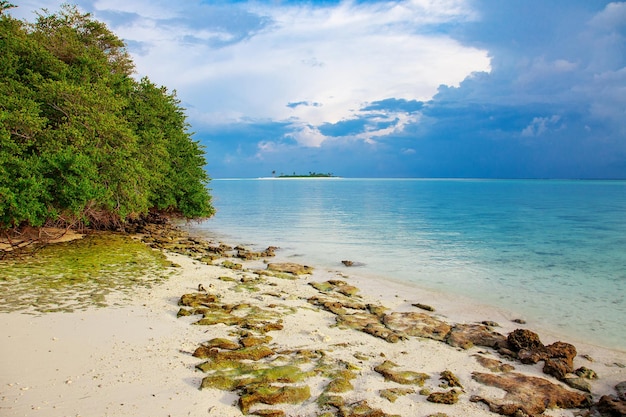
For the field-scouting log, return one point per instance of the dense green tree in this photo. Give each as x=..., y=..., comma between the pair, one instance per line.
x=81, y=141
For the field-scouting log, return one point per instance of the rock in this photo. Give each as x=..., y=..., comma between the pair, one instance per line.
x=578, y=383
x=609, y=406
x=273, y=395
x=417, y=324
x=222, y=344
x=392, y=394
x=377, y=310
x=423, y=306
x=450, y=379
x=269, y=413
x=232, y=265
x=621, y=390
x=380, y=331
x=494, y=365
x=447, y=397
x=527, y=394
x=290, y=268
x=197, y=299
x=362, y=409
x=253, y=353
x=586, y=373
x=467, y=335
x=558, y=357
x=558, y=368
x=401, y=377
x=322, y=286
x=523, y=339
x=249, y=341
x=336, y=304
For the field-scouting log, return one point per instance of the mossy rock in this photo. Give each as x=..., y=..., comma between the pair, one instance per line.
x=326, y=400
x=392, y=394
x=290, y=268
x=253, y=353
x=271, y=395
x=219, y=317
x=447, y=397
x=322, y=286
x=227, y=279
x=348, y=290
x=222, y=343
x=363, y=409
x=339, y=385
x=183, y=312
x=243, y=375
x=232, y=265
x=248, y=341
x=401, y=377
x=450, y=380
x=377, y=310
x=269, y=413
x=197, y=299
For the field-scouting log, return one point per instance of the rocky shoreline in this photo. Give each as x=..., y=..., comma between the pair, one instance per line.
x=251, y=362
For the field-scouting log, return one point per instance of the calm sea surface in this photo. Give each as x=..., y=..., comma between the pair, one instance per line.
x=552, y=251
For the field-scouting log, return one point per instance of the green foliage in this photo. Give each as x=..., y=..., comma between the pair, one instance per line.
x=81, y=141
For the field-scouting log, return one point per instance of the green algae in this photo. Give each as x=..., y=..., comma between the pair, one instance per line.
x=74, y=275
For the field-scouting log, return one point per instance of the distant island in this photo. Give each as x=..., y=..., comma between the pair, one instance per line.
x=309, y=175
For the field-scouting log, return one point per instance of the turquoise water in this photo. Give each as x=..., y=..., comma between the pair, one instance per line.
x=552, y=251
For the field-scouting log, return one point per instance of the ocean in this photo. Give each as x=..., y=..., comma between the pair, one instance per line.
x=551, y=251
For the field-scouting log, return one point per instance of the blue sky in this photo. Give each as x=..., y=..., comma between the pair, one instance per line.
x=416, y=88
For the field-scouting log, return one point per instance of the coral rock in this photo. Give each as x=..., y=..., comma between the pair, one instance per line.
x=290, y=268
x=447, y=397
x=527, y=394
x=523, y=339
x=417, y=324
x=401, y=377
x=467, y=335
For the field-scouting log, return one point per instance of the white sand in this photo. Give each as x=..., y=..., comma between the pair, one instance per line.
x=133, y=359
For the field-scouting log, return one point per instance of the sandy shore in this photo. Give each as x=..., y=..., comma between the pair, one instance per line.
x=134, y=357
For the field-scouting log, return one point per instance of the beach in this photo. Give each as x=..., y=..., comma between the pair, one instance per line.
x=135, y=356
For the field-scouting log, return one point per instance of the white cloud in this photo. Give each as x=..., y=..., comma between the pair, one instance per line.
x=541, y=125
x=228, y=69
x=613, y=16
x=338, y=56
x=308, y=136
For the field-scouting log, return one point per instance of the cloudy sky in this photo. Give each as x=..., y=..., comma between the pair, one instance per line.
x=414, y=88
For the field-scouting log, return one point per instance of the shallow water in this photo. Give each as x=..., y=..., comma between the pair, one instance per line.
x=552, y=251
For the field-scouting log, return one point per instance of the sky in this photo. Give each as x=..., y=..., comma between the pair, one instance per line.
x=404, y=88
